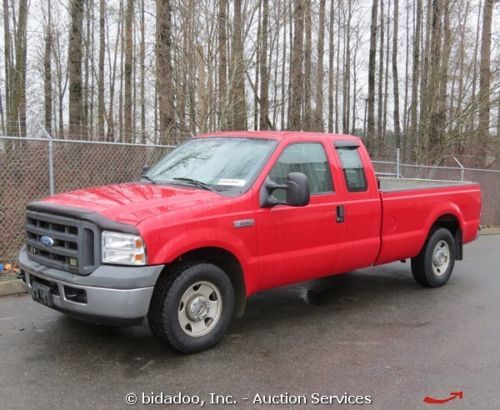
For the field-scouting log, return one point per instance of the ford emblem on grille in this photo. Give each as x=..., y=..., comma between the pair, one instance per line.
x=47, y=241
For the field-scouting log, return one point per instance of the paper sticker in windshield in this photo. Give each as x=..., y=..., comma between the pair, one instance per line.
x=232, y=182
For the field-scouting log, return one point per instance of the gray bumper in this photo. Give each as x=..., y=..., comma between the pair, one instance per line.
x=113, y=294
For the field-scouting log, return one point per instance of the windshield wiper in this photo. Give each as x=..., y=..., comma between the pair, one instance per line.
x=148, y=178
x=196, y=183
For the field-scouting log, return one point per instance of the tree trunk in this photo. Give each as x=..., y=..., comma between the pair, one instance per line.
x=346, y=105
x=381, y=74
x=297, y=73
x=164, y=69
x=101, y=114
x=330, y=66
x=371, y=136
x=239, y=117
x=222, y=38
x=75, y=68
x=498, y=117
x=255, y=88
x=307, y=66
x=47, y=70
x=318, y=117
x=264, y=75
x=283, y=66
x=474, y=63
x=110, y=136
x=21, y=66
x=422, y=135
x=395, y=78
x=485, y=76
x=433, y=120
x=129, y=46
x=404, y=131
x=142, y=58
x=415, y=79
x=386, y=75
x=8, y=67
x=445, y=60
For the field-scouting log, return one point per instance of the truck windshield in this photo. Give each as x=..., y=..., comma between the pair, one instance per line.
x=226, y=165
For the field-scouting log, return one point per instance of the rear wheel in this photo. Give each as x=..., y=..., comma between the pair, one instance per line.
x=434, y=265
x=191, y=306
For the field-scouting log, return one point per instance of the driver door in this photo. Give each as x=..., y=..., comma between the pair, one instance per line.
x=301, y=243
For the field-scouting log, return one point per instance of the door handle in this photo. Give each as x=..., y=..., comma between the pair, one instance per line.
x=340, y=214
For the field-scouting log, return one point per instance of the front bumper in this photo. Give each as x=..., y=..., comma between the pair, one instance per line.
x=111, y=294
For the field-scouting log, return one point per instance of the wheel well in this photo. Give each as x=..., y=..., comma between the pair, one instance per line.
x=451, y=223
x=229, y=264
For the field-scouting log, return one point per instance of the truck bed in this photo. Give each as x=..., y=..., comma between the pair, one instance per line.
x=411, y=206
x=407, y=184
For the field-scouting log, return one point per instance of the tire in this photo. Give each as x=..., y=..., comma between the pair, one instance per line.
x=191, y=306
x=433, y=266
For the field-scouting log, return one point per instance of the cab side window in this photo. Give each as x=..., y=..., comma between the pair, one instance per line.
x=308, y=158
x=352, y=166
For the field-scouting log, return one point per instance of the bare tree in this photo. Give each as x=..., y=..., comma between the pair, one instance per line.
x=238, y=64
x=75, y=67
x=142, y=59
x=331, y=46
x=371, y=74
x=47, y=70
x=164, y=68
x=127, y=116
x=7, y=64
x=318, y=118
x=415, y=77
x=297, y=80
x=395, y=78
x=485, y=72
x=307, y=67
x=264, y=75
x=222, y=37
x=283, y=66
x=101, y=113
x=381, y=74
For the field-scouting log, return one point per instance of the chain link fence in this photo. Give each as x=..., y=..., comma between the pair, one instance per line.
x=33, y=168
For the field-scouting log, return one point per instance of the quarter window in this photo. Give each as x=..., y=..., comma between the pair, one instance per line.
x=352, y=166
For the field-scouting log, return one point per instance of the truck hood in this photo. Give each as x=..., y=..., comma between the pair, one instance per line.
x=131, y=203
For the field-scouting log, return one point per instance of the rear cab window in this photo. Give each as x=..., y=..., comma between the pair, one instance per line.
x=352, y=166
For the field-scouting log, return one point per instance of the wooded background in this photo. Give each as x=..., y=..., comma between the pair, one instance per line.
x=420, y=75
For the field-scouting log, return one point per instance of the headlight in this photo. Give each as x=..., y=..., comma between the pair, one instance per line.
x=123, y=249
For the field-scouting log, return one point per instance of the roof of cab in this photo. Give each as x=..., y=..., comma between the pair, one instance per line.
x=278, y=135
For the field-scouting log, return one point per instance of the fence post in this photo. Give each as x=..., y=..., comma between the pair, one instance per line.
x=51, y=168
x=398, y=163
x=52, y=188
x=462, y=169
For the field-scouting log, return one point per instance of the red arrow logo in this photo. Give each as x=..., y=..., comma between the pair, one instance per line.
x=453, y=396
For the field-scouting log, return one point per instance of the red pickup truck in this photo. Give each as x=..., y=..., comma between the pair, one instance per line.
x=227, y=215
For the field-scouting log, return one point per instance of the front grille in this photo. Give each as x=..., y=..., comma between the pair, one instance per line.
x=71, y=244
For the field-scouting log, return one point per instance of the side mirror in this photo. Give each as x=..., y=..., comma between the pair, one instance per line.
x=296, y=187
x=145, y=169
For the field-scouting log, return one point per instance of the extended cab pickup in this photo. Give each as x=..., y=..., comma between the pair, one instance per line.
x=230, y=214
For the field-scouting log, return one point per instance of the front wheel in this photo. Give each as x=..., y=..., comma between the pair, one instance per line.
x=434, y=264
x=191, y=306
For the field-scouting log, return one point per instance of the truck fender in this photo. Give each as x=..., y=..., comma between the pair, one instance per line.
x=199, y=239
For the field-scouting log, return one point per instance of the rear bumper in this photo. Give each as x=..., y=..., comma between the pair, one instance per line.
x=111, y=294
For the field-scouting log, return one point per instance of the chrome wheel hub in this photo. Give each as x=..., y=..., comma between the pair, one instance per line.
x=440, y=258
x=200, y=308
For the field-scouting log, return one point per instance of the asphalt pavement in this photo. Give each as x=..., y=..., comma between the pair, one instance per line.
x=372, y=333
